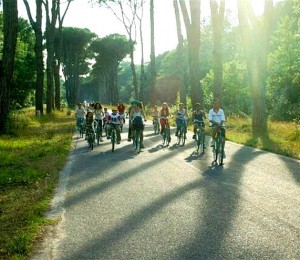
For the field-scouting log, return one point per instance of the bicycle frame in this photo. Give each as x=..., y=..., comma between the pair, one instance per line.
x=181, y=133
x=90, y=138
x=219, y=147
x=80, y=125
x=98, y=133
x=156, y=126
x=166, y=133
x=137, y=140
x=200, y=136
x=113, y=138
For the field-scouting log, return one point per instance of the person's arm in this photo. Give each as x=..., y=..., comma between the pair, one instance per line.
x=203, y=114
x=210, y=116
x=143, y=114
x=222, y=117
x=186, y=114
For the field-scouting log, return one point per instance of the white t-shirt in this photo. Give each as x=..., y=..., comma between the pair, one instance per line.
x=80, y=112
x=216, y=116
x=99, y=114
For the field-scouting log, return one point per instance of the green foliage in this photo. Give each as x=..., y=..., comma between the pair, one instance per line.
x=284, y=71
x=17, y=122
x=29, y=171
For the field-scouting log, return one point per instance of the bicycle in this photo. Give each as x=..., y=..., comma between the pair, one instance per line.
x=155, y=125
x=181, y=135
x=98, y=133
x=113, y=138
x=136, y=138
x=200, y=136
x=166, y=133
x=219, y=144
x=122, y=115
x=80, y=126
x=105, y=127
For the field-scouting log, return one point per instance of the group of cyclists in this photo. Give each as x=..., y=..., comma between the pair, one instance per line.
x=94, y=114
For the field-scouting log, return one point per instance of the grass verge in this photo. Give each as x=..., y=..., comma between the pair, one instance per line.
x=31, y=157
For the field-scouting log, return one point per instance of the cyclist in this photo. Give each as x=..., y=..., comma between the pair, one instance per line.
x=155, y=115
x=136, y=117
x=181, y=118
x=129, y=121
x=216, y=118
x=121, y=110
x=198, y=115
x=79, y=115
x=164, y=113
x=99, y=114
x=89, y=123
x=114, y=120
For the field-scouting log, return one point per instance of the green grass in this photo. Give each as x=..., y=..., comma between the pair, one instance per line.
x=282, y=138
x=31, y=157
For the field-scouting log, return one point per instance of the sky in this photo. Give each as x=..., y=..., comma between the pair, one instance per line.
x=102, y=21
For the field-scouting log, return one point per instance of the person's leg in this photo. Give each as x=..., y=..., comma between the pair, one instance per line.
x=162, y=125
x=177, y=126
x=109, y=131
x=195, y=130
x=129, y=132
x=118, y=130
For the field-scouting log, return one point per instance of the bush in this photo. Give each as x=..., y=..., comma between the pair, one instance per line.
x=17, y=121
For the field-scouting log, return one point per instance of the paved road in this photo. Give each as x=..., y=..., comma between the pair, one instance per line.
x=167, y=203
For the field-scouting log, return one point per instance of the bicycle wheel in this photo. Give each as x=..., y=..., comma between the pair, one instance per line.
x=183, y=135
x=155, y=126
x=217, y=149
x=202, y=140
x=80, y=130
x=167, y=136
x=221, y=152
x=198, y=140
x=98, y=134
x=92, y=138
x=113, y=140
x=137, y=141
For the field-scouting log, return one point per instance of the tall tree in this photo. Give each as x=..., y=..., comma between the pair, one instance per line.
x=38, y=48
x=58, y=52
x=110, y=51
x=217, y=20
x=51, y=19
x=181, y=71
x=75, y=54
x=153, y=97
x=143, y=75
x=127, y=14
x=255, y=35
x=10, y=24
x=192, y=26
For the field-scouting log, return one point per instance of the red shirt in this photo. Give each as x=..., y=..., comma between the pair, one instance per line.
x=121, y=108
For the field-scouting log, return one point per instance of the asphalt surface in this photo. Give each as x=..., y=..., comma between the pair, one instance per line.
x=170, y=203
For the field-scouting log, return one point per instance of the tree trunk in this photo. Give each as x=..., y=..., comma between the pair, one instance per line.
x=255, y=42
x=38, y=48
x=10, y=24
x=134, y=76
x=217, y=16
x=50, y=33
x=153, y=97
x=193, y=36
x=180, y=57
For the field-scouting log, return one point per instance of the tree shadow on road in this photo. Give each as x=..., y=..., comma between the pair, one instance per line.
x=220, y=188
x=267, y=144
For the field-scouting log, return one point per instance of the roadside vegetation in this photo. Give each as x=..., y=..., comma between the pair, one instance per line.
x=36, y=149
x=31, y=156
